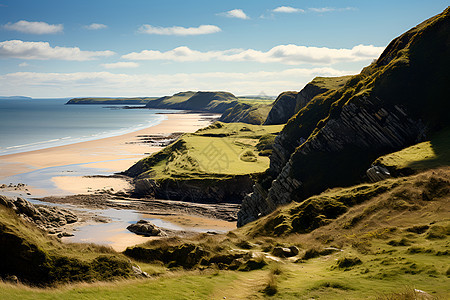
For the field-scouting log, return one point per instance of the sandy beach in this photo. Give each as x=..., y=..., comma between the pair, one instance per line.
x=113, y=154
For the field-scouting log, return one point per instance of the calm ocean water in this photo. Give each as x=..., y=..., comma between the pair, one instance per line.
x=27, y=125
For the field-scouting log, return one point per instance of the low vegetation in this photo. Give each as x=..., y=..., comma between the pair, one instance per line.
x=37, y=259
x=213, y=152
x=419, y=157
x=390, y=242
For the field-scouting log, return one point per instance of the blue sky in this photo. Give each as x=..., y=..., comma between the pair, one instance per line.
x=153, y=48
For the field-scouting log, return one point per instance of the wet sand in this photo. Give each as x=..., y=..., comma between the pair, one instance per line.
x=57, y=168
x=114, y=154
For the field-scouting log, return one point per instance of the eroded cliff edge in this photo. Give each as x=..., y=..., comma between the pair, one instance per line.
x=397, y=101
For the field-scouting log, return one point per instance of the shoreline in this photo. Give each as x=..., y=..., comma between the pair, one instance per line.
x=113, y=154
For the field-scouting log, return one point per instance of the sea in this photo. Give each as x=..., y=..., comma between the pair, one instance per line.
x=32, y=124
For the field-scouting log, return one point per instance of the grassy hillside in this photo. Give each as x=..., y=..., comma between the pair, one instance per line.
x=216, y=102
x=35, y=258
x=218, y=150
x=407, y=86
x=422, y=156
x=246, y=113
x=389, y=244
x=124, y=101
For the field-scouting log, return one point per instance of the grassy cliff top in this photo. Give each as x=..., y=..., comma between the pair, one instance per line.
x=216, y=151
x=330, y=83
x=422, y=156
x=208, y=101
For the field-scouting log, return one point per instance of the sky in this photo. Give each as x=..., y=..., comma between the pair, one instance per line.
x=126, y=48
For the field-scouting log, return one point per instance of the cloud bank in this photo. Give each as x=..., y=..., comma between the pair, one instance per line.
x=285, y=54
x=178, y=30
x=96, y=26
x=121, y=64
x=34, y=27
x=110, y=84
x=235, y=13
x=288, y=9
x=43, y=51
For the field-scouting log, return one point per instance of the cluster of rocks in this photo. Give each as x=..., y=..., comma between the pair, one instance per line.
x=50, y=219
x=15, y=187
x=147, y=228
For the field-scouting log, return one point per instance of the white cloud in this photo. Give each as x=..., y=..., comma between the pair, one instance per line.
x=24, y=64
x=34, y=27
x=330, y=9
x=285, y=54
x=288, y=9
x=95, y=26
x=110, y=84
x=235, y=13
x=178, y=30
x=121, y=64
x=43, y=51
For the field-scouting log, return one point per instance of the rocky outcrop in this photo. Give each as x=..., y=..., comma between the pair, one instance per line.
x=285, y=251
x=283, y=109
x=147, y=228
x=377, y=173
x=231, y=189
x=335, y=138
x=45, y=217
x=289, y=103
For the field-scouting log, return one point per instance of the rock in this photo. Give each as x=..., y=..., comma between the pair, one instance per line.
x=45, y=217
x=12, y=279
x=285, y=252
x=377, y=173
x=283, y=109
x=138, y=272
x=143, y=227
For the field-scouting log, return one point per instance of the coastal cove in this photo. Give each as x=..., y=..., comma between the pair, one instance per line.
x=85, y=168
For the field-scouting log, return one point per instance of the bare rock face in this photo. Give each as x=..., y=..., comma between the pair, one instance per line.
x=282, y=109
x=395, y=102
x=45, y=217
x=230, y=190
x=377, y=173
x=365, y=126
x=143, y=227
x=285, y=251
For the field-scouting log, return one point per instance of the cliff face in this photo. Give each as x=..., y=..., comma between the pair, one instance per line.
x=246, y=113
x=395, y=102
x=288, y=104
x=283, y=108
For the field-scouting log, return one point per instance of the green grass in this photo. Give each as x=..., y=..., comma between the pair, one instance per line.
x=202, y=101
x=255, y=101
x=331, y=83
x=219, y=150
x=399, y=242
x=36, y=258
x=422, y=156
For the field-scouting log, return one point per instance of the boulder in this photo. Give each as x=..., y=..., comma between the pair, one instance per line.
x=285, y=252
x=143, y=227
x=378, y=173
